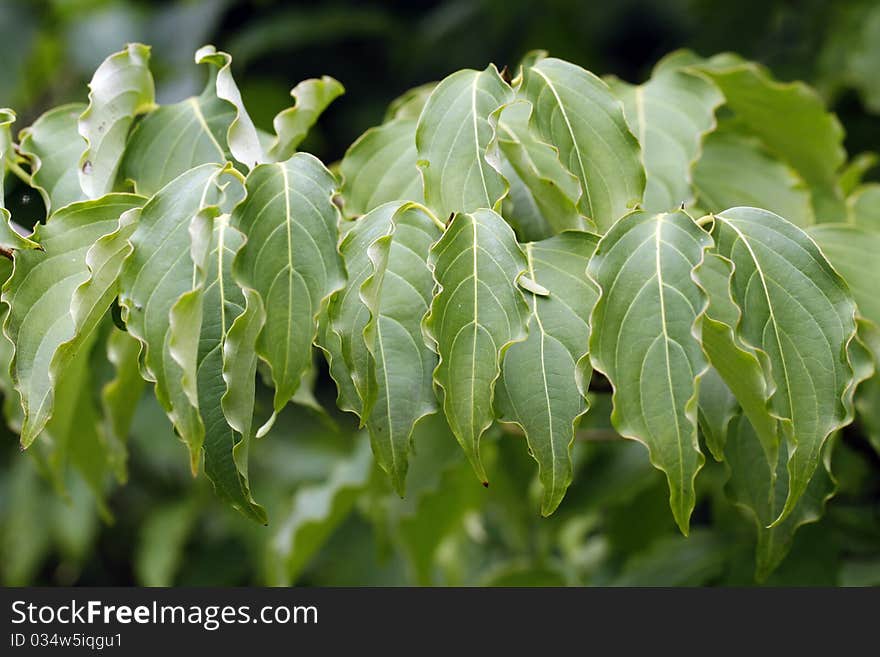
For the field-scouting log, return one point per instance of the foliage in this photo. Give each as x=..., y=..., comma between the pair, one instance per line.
x=538, y=254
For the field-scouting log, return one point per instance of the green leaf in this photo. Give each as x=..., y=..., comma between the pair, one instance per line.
x=542, y=192
x=317, y=510
x=57, y=295
x=456, y=141
x=670, y=114
x=9, y=238
x=311, y=98
x=381, y=167
x=797, y=311
x=175, y=138
x=120, y=397
x=738, y=365
x=853, y=250
x=157, y=291
x=52, y=146
x=544, y=380
x=576, y=112
x=645, y=340
x=241, y=136
x=761, y=490
x=791, y=120
x=399, y=379
x=476, y=314
x=717, y=408
x=290, y=260
x=736, y=169
x=121, y=89
x=863, y=207
x=226, y=365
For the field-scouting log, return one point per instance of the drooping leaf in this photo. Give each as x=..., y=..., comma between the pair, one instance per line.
x=290, y=259
x=735, y=169
x=224, y=365
x=311, y=98
x=456, y=142
x=52, y=146
x=576, y=112
x=544, y=380
x=670, y=114
x=399, y=378
x=542, y=192
x=157, y=283
x=316, y=511
x=476, y=314
x=121, y=89
x=740, y=367
x=645, y=321
x=797, y=311
x=380, y=167
x=57, y=295
x=761, y=490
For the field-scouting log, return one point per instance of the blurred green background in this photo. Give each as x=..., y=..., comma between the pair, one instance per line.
x=333, y=519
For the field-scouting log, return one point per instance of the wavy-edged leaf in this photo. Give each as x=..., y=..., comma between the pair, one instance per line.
x=399, y=378
x=157, y=292
x=855, y=253
x=740, y=367
x=226, y=365
x=543, y=193
x=241, y=136
x=761, y=490
x=477, y=312
x=577, y=113
x=311, y=98
x=317, y=510
x=735, y=169
x=121, y=89
x=175, y=138
x=120, y=397
x=52, y=146
x=348, y=315
x=9, y=237
x=456, y=142
x=290, y=259
x=791, y=120
x=380, y=167
x=12, y=411
x=544, y=379
x=670, y=114
x=57, y=295
x=645, y=340
x=797, y=311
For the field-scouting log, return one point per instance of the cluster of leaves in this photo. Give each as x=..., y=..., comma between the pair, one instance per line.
x=477, y=257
